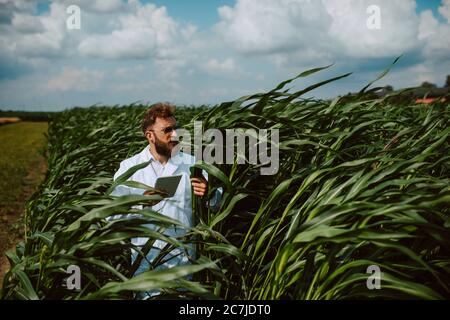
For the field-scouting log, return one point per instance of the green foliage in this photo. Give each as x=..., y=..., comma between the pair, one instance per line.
x=361, y=182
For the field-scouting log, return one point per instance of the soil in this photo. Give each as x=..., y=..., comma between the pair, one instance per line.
x=11, y=218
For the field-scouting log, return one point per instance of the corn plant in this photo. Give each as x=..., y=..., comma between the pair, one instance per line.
x=363, y=181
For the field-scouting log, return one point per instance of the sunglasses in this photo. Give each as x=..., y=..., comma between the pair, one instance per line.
x=169, y=129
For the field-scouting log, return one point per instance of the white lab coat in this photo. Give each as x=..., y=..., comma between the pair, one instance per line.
x=178, y=207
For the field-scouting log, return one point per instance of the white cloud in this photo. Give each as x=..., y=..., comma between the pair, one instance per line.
x=35, y=36
x=27, y=23
x=71, y=79
x=124, y=72
x=217, y=68
x=213, y=93
x=97, y=6
x=260, y=77
x=169, y=69
x=144, y=31
x=133, y=87
x=303, y=58
x=428, y=25
x=444, y=9
x=188, y=32
x=301, y=30
x=9, y=7
x=109, y=30
x=397, y=33
x=416, y=74
x=128, y=43
x=256, y=44
x=267, y=26
x=105, y=6
x=435, y=36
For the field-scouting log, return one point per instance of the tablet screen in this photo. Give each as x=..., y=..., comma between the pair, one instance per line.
x=168, y=184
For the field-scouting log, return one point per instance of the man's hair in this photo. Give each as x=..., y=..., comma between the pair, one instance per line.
x=157, y=110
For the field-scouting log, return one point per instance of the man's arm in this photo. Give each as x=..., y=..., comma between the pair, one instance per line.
x=121, y=190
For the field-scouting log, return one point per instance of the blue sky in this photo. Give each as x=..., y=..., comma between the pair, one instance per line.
x=430, y=5
x=209, y=51
x=201, y=12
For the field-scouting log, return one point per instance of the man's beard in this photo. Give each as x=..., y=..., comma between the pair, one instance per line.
x=163, y=148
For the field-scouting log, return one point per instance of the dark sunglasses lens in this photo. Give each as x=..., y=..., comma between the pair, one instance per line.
x=170, y=129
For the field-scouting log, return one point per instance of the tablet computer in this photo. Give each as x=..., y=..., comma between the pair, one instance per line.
x=168, y=184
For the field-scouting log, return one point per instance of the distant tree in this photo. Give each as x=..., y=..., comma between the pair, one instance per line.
x=447, y=82
x=427, y=84
x=389, y=88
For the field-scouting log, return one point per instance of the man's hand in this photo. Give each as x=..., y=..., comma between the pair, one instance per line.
x=200, y=186
x=151, y=193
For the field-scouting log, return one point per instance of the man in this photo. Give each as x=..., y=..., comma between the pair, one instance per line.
x=159, y=127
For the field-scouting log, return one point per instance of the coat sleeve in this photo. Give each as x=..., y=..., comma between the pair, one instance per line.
x=121, y=190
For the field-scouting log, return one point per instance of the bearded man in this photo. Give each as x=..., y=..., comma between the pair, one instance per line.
x=159, y=127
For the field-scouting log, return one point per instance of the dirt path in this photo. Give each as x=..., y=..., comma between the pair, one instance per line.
x=11, y=217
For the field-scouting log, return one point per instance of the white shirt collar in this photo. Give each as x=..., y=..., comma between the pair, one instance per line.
x=171, y=164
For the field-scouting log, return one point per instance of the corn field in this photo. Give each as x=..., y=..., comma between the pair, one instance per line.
x=362, y=181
